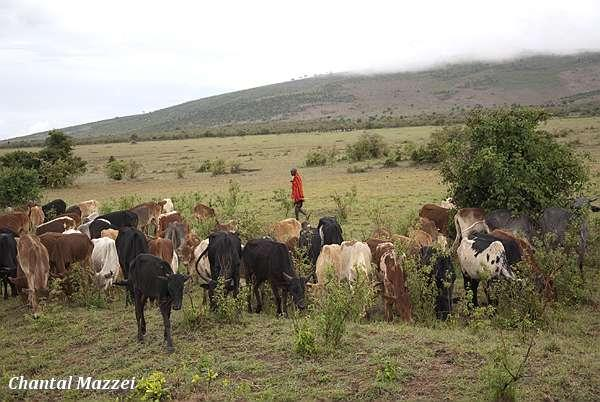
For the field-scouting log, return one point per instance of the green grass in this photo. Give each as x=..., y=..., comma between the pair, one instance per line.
x=256, y=360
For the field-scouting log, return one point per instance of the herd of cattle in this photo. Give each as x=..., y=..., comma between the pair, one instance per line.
x=118, y=249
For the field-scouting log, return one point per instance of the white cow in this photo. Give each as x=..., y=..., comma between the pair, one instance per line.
x=356, y=256
x=105, y=261
x=168, y=207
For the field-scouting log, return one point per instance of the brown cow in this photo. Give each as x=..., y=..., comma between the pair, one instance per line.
x=187, y=251
x=110, y=233
x=436, y=214
x=147, y=214
x=88, y=208
x=34, y=268
x=57, y=225
x=464, y=218
x=287, y=231
x=543, y=283
x=36, y=217
x=65, y=249
x=165, y=219
x=76, y=216
x=395, y=292
x=163, y=249
x=202, y=212
x=18, y=222
x=428, y=226
x=230, y=226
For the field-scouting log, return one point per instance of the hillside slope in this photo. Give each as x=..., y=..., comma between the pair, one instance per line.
x=536, y=80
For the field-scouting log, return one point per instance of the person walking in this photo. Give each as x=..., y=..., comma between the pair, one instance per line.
x=297, y=193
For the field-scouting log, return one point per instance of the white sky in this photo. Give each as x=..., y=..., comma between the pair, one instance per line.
x=65, y=62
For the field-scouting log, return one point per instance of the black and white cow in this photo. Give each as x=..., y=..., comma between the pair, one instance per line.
x=152, y=278
x=268, y=260
x=482, y=257
x=330, y=231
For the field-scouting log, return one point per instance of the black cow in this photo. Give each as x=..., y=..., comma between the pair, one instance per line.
x=152, y=278
x=8, y=261
x=268, y=260
x=130, y=243
x=224, y=255
x=54, y=208
x=98, y=225
x=121, y=219
x=444, y=276
x=504, y=219
x=330, y=231
x=310, y=243
x=74, y=209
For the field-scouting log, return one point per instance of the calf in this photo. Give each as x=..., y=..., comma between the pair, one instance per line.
x=105, y=262
x=287, y=231
x=443, y=273
x=152, y=278
x=147, y=214
x=18, y=222
x=356, y=256
x=8, y=261
x=395, y=294
x=203, y=212
x=267, y=260
x=65, y=249
x=34, y=268
x=482, y=257
x=163, y=248
x=57, y=225
x=88, y=208
x=167, y=206
x=436, y=214
x=330, y=256
x=464, y=219
x=165, y=219
x=36, y=217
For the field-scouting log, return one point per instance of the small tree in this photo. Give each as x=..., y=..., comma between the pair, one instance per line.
x=368, y=146
x=18, y=186
x=507, y=163
x=116, y=169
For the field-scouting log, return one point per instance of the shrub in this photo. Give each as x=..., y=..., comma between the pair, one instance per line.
x=437, y=149
x=134, y=169
x=235, y=167
x=282, y=199
x=304, y=340
x=387, y=373
x=507, y=163
x=152, y=387
x=205, y=166
x=18, y=186
x=368, y=146
x=180, y=172
x=58, y=160
x=390, y=162
x=218, y=167
x=344, y=203
x=116, y=169
x=317, y=158
x=339, y=304
x=404, y=151
x=119, y=204
x=229, y=309
x=82, y=288
x=422, y=291
x=358, y=169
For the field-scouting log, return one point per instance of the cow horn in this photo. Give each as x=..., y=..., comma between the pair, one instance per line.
x=287, y=277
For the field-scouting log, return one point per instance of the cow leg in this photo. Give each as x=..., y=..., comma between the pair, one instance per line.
x=165, y=310
x=284, y=292
x=277, y=299
x=258, y=295
x=249, y=298
x=474, y=287
x=5, y=287
x=140, y=301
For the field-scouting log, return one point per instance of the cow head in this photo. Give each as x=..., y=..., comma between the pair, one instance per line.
x=503, y=267
x=296, y=288
x=175, y=284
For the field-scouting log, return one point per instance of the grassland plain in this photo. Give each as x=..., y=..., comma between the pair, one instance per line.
x=255, y=359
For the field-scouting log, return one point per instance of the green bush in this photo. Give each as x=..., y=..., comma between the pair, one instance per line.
x=422, y=291
x=304, y=338
x=205, y=166
x=282, y=199
x=116, y=169
x=134, y=169
x=18, y=186
x=345, y=203
x=120, y=204
x=235, y=167
x=358, y=169
x=229, y=309
x=390, y=162
x=152, y=387
x=218, y=167
x=368, y=146
x=320, y=157
x=83, y=290
x=438, y=148
x=507, y=163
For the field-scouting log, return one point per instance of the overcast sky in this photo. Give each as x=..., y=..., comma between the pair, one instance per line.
x=65, y=62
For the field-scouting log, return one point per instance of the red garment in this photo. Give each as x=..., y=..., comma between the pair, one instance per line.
x=297, y=190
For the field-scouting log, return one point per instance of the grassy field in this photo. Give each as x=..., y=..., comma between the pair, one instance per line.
x=255, y=360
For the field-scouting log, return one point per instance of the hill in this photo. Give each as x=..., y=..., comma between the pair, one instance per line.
x=567, y=84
